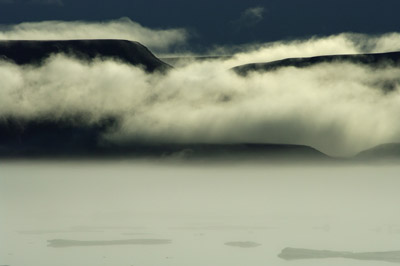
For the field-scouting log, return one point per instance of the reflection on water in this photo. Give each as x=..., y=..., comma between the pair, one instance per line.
x=201, y=214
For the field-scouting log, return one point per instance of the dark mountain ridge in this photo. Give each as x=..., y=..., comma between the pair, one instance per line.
x=371, y=60
x=24, y=52
x=74, y=138
x=387, y=152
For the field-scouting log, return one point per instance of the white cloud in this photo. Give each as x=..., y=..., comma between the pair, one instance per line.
x=345, y=43
x=338, y=108
x=159, y=40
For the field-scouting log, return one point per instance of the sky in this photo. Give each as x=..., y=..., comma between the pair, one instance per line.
x=222, y=22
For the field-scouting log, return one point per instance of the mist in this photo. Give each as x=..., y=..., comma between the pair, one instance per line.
x=159, y=40
x=171, y=212
x=337, y=108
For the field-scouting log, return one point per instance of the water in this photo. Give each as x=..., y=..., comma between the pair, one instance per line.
x=198, y=208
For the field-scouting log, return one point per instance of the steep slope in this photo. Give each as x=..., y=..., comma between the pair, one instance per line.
x=371, y=60
x=35, y=52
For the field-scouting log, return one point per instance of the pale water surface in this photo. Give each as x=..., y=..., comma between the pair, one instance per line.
x=152, y=213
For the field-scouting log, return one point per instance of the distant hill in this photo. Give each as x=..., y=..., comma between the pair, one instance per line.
x=241, y=151
x=35, y=52
x=371, y=60
x=388, y=151
x=74, y=138
x=45, y=136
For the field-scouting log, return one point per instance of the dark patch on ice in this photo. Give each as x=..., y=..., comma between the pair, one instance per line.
x=60, y=243
x=243, y=244
x=136, y=234
x=43, y=232
x=300, y=253
x=108, y=227
x=222, y=227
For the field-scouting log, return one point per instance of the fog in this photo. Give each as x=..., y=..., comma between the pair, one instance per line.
x=152, y=213
x=125, y=212
x=338, y=108
x=160, y=40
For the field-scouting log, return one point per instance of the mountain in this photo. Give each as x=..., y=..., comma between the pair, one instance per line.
x=73, y=136
x=371, y=60
x=46, y=138
x=24, y=52
x=388, y=151
x=238, y=151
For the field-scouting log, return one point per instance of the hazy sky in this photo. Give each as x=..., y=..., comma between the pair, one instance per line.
x=222, y=21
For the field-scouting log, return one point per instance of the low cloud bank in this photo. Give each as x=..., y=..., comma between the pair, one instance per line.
x=345, y=43
x=338, y=108
x=159, y=40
